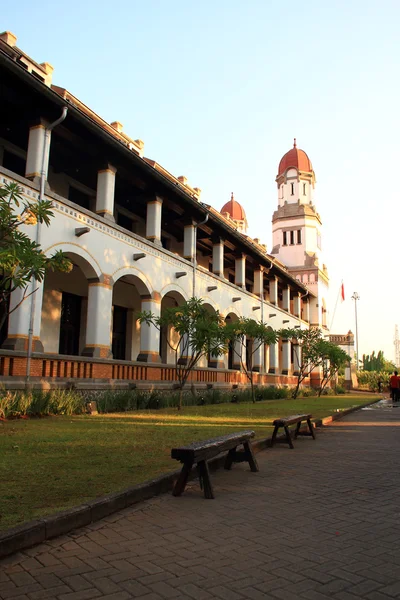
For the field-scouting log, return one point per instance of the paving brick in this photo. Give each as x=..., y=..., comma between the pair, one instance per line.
x=313, y=532
x=81, y=595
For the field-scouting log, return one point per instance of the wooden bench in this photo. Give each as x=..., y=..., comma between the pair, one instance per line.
x=200, y=452
x=286, y=421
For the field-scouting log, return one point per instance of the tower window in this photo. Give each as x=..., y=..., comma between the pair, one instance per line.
x=292, y=186
x=304, y=189
x=285, y=238
x=299, y=236
x=292, y=237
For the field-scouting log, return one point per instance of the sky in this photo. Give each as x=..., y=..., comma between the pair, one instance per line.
x=218, y=89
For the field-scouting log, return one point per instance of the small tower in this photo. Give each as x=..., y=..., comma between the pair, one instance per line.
x=296, y=228
x=234, y=211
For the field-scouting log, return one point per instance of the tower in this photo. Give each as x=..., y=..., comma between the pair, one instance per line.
x=297, y=226
x=234, y=211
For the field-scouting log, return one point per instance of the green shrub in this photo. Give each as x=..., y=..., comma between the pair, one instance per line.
x=340, y=390
x=370, y=380
x=37, y=403
x=307, y=392
x=328, y=392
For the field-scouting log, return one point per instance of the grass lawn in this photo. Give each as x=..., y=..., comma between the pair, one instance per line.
x=49, y=464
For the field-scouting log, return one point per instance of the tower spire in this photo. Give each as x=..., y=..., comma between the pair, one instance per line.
x=294, y=143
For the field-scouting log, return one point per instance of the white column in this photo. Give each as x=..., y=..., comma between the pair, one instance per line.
x=19, y=320
x=258, y=359
x=266, y=358
x=149, y=334
x=153, y=220
x=274, y=358
x=286, y=298
x=218, y=258
x=99, y=322
x=258, y=287
x=240, y=271
x=273, y=291
x=286, y=352
x=306, y=311
x=314, y=312
x=105, y=192
x=239, y=355
x=34, y=157
x=188, y=242
x=296, y=304
x=296, y=358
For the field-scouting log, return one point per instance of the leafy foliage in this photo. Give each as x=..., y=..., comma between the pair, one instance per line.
x=311, y=351
x=21, y=258
x=334, y=358
x=377, y=362
x=244, y=329
x=198, y=332
x=315, y=351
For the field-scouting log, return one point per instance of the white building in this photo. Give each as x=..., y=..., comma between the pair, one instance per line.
x=129, y=226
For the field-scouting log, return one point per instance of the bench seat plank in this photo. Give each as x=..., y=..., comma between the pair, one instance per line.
x=199, y=452
x=291, y=420
x=204, y=450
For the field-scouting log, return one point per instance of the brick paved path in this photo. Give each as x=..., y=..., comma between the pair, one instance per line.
x=320, y=521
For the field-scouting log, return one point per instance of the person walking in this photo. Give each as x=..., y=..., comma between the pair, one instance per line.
x=394, y=386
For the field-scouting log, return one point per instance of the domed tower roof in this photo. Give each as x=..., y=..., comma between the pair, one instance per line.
x=236, y=213
x=235, y=210
x=295, y=158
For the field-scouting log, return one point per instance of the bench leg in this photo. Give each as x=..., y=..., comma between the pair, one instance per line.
x=181, y=482
x=274, y=435
x=288, y=438
x=251, y=459
x=205, y=481
x=230, y=458
x=311, y=428
x=296, y=433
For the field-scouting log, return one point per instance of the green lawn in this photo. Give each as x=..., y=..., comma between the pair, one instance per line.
x=49, y=464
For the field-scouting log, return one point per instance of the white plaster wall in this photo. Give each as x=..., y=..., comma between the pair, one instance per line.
x=107, y=250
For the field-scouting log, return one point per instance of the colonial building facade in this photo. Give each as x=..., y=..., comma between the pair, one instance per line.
x=140, y=238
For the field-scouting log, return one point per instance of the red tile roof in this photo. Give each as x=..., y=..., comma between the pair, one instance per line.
x=235, y=210
x=295, y=158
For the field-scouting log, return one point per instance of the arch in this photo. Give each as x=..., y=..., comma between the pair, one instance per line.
x=179, y=295
x=298, y=277
x=305, y=278
x=312, y=278
x=231, y=314
x=79, y=256
x=211, y=303
x=140, y=280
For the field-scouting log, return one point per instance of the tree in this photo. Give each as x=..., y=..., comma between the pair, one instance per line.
x=377, y=362
x=198, y=332
x=239, y=332
x=311, y=351
x=21, y=258
x=334, y=358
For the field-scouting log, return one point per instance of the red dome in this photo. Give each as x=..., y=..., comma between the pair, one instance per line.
x=295, y=158
x=235, y=210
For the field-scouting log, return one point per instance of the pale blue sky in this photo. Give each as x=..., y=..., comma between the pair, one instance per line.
x=217, y=91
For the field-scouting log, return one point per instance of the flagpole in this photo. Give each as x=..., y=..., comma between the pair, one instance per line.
x=336, y=303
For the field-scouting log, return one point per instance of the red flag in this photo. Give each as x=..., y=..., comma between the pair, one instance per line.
x=342, y=293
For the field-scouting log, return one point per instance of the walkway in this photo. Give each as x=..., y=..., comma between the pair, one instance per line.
x=320, y=521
